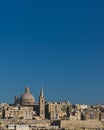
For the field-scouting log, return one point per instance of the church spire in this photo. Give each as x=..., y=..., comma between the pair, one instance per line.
x=41, y=104
x=41, y=92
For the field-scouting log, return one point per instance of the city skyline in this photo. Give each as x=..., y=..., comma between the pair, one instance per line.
x=57, y=45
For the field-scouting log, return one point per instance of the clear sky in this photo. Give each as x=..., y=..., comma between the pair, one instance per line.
x=54, y=43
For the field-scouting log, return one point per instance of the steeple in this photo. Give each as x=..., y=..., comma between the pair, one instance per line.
x=41, y=104
x=41, y=92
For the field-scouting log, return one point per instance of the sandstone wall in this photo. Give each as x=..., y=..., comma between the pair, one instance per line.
x=80, y=124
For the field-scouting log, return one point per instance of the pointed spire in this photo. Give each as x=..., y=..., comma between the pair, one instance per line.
x=41, y=92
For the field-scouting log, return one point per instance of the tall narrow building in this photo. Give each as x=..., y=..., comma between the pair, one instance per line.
x=42, y=104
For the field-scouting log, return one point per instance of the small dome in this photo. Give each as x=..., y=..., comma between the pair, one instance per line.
x=27, y=98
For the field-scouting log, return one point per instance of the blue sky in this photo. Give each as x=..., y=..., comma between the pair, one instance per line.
x=56, y=44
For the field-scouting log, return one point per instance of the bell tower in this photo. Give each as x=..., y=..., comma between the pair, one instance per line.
x=42, y=104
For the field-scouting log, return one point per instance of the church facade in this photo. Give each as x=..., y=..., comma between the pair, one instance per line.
x=27, y=101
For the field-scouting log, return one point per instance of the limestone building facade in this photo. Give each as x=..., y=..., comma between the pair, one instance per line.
x=25, y=107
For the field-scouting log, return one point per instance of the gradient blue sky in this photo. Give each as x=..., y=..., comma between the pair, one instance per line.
x=54, y=43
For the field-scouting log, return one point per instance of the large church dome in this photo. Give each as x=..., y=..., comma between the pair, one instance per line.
x=27, y=98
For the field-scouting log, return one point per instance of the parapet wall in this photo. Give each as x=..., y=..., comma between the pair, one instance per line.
x=81, y=124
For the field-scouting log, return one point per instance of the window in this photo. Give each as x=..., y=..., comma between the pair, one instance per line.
x=91, y=116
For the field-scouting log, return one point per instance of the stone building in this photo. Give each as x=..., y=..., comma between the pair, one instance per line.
x=54, y=110
x=18, y=112
x=28, y=100
x=25, y=107
x=90, y=114
x=102, y=116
